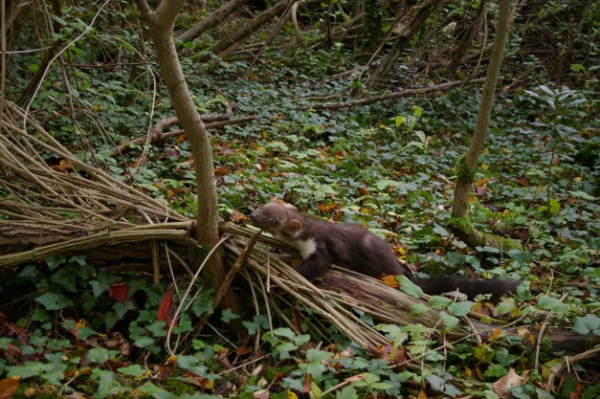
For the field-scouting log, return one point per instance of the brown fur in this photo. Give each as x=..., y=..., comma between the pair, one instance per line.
x=352, y=246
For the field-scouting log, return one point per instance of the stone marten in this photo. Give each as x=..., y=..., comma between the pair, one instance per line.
x=352, y=246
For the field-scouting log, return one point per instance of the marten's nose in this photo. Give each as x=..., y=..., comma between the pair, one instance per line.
x=255, y=215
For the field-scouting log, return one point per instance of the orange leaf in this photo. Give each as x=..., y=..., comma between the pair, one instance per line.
x=8, y=387
x=390, y=281
x=167, y=309
x=237, y=216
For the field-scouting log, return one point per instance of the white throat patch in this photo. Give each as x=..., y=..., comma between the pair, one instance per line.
x=305, y=247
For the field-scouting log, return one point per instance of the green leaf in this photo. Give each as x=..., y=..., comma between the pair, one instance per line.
x=439, y=302
x=157, y=392
x=409, y=287
x=135, y=370
x=143, y=342
x=59, y=19
x=317, y=355
x=449, y=321
x=506, y=306
x=284, y=332
x=348, y=392
x=278, y=144
x=227, y=315
x=191, y=364
x=460, y=309
x=582, y=195
x=98, y=355
x=301, y=339
x=495, y=370
x=440, y=230
x=418, y=309
x=53, y=301
x=417, y=111
x=158, y=328
x=101, y=284
x=29, y=369
x=552, y=304
x=586, y=324
x=122, y=308
x=55, y=261
x=554, y=207
x=108, y=384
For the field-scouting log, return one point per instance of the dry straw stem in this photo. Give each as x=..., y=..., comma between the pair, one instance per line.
x=37, y=192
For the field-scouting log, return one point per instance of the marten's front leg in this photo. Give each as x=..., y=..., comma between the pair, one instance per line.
x=316, y=264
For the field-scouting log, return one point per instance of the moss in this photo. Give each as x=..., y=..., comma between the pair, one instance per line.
x=458, y=223
x=463, y=172
x=506, y=244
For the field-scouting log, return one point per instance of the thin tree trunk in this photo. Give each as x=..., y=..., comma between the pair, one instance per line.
x=211, y=20
x=407, y=27
x=460, y=50
x=161, y=23
x=231, y=41
x=460, y=224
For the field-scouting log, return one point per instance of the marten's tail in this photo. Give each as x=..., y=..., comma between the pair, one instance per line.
x=441, y=284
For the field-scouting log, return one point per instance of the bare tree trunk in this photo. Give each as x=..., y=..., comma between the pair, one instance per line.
x=414, y=18
x=211, y=20
x=233, y=40
x=460, y=224
x=161, y=23
x=460, y=50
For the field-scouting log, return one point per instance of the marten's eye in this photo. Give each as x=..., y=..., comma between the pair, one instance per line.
x=273, y=219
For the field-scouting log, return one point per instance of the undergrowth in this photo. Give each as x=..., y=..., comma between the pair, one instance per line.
x=72, y=329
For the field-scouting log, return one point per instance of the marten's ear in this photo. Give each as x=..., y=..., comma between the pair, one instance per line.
x=294, y=225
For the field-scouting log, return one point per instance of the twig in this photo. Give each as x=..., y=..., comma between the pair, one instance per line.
x=388, y=96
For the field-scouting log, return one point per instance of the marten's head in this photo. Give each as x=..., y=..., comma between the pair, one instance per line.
x=278, y=220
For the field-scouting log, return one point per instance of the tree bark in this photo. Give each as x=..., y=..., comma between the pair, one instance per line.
x=390, y=305
x=233, y=40
x=211, y=20
x=341, y=288
x=414, y=18
x=161, y=23
x=459, y=224
x=30, y=242
x=460, y=50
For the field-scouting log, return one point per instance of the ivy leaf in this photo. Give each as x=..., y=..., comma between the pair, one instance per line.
x=409, y=287
x=439, y=384
x=98, y=355
x=53, y=301
x=284, y=332
x=449, y=321
x=418, y=309
x=582, y=195
x=135, y=370
x=143, y=342
x=122, y=308
x=439, y=302
x=279, y=145
x=506, y=306
x=191, y=364
x=227, y=315
x=586, y=324
x=317, y=356
x=29, y=369
x=461, y=308
x=55, y=261
x=553, y=304
x=348, y=392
